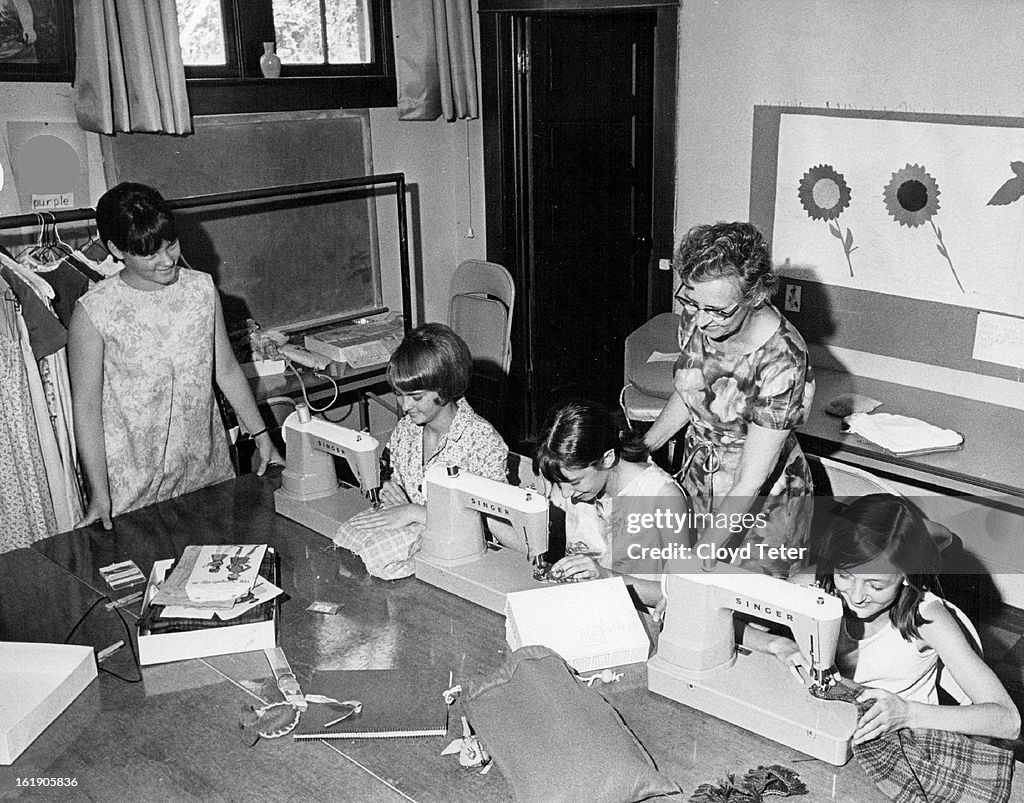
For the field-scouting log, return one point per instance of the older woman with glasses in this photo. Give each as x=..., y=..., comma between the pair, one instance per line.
x=743, y=383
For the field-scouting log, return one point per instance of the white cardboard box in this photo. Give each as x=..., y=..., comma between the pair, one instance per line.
x=592, y=625
x=37, y=682
x=159, y=648
x=262, y=368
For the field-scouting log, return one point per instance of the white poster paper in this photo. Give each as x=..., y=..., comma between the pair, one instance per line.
x=924, y=210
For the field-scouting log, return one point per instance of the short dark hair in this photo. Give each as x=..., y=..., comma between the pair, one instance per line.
x=727, y=250
x=884, y=525
x=431, y=357
x=135, y=218
x=577, y=435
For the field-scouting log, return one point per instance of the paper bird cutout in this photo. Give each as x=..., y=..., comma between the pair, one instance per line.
x=1012, y=189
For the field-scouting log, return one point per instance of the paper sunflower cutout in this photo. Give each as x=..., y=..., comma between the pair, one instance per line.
x=911, y=196
x=824, y=194
x=912, y=199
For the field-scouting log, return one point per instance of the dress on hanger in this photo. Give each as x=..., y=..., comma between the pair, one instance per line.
x=26, y=511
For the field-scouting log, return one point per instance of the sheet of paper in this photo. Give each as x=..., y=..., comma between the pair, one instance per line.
x=661, y=356
x=263, y=591
x=999, y=338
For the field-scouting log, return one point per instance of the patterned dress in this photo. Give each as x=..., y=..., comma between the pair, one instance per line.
x=471, y=443
x=161, y=426
x=772, y=387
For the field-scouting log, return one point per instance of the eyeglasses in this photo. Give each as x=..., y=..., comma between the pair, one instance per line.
x=714, y=314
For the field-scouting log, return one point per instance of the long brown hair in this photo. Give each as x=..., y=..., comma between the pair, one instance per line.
x=884, y=525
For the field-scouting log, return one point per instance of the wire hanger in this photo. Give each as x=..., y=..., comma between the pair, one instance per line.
x=58, y=243
x=47, y=250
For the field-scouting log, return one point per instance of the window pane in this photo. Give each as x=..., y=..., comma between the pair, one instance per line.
x=201, y=32
x=302, y=26
x=348, y=32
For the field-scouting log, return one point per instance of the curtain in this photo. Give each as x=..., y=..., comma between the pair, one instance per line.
x=129, y=74
x=435, y=59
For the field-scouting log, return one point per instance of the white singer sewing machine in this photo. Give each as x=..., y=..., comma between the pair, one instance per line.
x=698, y=663
x=309, y=492
x=454, y=554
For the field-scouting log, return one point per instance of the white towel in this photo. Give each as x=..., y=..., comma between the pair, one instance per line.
x=900, y=434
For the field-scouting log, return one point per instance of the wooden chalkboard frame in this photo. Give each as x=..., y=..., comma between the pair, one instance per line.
x=929, y=332
x=288, y=262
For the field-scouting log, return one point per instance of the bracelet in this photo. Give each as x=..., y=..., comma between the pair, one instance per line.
x=255, y=435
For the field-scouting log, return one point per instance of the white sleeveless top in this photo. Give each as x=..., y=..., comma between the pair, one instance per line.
x=889, y=662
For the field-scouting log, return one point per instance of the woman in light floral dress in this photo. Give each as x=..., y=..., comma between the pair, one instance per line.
x=743, y=383
x=144, y=349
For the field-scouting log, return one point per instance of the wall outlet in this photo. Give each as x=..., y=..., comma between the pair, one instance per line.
x=792, y=298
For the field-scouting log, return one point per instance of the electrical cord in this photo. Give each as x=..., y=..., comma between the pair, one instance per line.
x=127, y=640
x=302, y=386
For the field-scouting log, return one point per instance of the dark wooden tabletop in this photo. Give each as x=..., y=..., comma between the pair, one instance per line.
x=174, y=735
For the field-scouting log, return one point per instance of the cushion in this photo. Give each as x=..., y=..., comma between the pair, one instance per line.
x=653, y=379
x=556, y=739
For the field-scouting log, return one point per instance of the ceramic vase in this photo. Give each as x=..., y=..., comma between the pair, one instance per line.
x=270, y=62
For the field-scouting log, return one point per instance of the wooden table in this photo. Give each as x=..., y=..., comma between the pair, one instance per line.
x=174, y=734
x=990, y=464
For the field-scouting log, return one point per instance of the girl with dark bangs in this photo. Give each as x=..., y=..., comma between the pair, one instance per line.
x=898, y=634
x=429, y=373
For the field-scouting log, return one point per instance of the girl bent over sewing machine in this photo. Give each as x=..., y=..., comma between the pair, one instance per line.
x=898, y=635
x=612, y=494
x=429, y=373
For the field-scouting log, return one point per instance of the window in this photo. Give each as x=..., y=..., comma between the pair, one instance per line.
x=334, y=53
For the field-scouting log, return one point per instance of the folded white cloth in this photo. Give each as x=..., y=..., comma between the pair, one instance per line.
x=902, y=435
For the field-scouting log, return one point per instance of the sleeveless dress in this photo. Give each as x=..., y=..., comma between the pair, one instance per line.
x=887, y=661
x=161, y=426
x=772, y=387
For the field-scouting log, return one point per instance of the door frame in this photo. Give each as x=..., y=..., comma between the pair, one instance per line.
x=503, y=35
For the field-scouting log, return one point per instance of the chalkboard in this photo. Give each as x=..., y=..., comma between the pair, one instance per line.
x=286, y=263
x=891, y=323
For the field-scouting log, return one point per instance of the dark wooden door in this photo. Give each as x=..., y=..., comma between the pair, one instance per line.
x=589, y=130
x=569, y=155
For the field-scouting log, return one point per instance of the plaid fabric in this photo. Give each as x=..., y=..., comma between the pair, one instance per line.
x=912, y=765
x=387, y=553
x=931, y=766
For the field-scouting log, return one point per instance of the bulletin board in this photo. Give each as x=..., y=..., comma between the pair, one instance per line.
x=905, y=231
x=289, y=263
